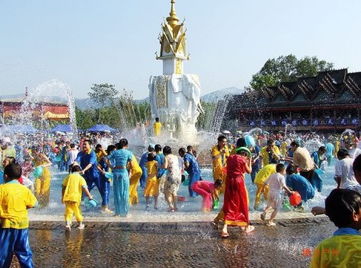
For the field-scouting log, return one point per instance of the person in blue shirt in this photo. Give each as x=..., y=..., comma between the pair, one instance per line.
x=299, y=183
x=87, y=160
x=319, y=156
x=162, y=172
x=192, y=168
x=143, y=164
x=330, y=151
x=120, y=160
x=104, y=181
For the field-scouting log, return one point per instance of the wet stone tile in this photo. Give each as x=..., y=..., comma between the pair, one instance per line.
x=175, y=245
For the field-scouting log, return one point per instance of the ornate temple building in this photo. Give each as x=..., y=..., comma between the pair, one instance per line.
x=330, y=101
x=13, y=110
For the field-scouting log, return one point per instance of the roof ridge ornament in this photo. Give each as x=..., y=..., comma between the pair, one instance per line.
x=172, y=19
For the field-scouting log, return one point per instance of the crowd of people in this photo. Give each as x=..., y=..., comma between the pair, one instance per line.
x=275, y=163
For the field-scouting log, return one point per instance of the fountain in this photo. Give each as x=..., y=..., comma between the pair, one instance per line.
x=175, y=96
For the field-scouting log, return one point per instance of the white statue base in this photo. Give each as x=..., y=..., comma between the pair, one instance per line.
x=175, y=99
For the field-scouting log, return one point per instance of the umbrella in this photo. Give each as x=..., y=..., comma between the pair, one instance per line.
x=62, y=128
x=101, y=128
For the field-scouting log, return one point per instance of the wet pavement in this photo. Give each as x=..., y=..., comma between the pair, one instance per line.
x=289, y=244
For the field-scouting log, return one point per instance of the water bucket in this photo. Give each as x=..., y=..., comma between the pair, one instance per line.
x=91, y=203
x=38, y=171
x=287, y=205
x=186, y=182
x=295, y=199
x=109, y=175
x=216, y=204
x=250, y=141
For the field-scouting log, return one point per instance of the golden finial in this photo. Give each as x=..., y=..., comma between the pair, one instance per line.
x=172, y=19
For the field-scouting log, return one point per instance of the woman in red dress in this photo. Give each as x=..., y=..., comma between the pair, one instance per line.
x=235, y=205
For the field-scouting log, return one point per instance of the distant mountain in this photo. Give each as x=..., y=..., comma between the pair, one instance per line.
x=85, y=104
x=219, y=94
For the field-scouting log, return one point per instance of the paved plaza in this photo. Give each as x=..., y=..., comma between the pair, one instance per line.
x=176, y=244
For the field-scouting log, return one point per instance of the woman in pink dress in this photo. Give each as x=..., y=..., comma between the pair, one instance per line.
x=207, y=190
x=235, y=205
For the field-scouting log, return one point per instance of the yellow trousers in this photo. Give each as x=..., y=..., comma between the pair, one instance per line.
x=218, y=174
x=260, y=191
x=42, y=188
x=71, y=209
x=133, y=186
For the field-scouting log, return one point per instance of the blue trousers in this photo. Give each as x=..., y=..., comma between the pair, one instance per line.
x=144, y=177
x=93, y=181
x=15, y=241
x=193, y=177
x=254, y=172
x=105, y=190
x=316, y=182
x=121, y=192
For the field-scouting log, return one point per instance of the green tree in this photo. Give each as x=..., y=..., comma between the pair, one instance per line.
x=287, y=69
x=85, y=119
x=102, y=94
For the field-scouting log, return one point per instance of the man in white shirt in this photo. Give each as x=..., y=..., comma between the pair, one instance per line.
x=344, y=174
x=71, y=155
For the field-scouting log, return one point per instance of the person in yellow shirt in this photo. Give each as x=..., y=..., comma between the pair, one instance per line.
x=157, y=127
x=220, y=153
x=284, y=148
x=73, y=187
x=135, y=174
x=270, y=154
x=100, y=152
x=42, y=183
x=15, y=200
x=343, y=249
x=152, y=186
x=260, y=179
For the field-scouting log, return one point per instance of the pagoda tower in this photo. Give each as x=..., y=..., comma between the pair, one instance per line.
x=175, y=96
x=173, y=44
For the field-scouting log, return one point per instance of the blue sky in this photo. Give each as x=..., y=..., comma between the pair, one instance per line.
x=82, y=42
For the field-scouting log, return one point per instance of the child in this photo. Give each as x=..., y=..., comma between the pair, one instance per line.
x=261, y=177
x=208, y=191
x=152, y=185
x=15, y=199
x=343, y=207
x=276, y=183
x=27, y=167
x=73, y=186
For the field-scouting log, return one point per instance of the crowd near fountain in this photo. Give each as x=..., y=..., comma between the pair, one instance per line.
x=170, y=171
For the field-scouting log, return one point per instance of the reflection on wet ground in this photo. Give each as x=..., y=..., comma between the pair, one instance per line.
x=176, y=245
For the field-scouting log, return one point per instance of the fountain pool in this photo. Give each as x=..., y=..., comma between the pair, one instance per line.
x=189, y=210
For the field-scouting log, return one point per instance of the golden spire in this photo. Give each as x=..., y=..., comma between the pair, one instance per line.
x=172, y=19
